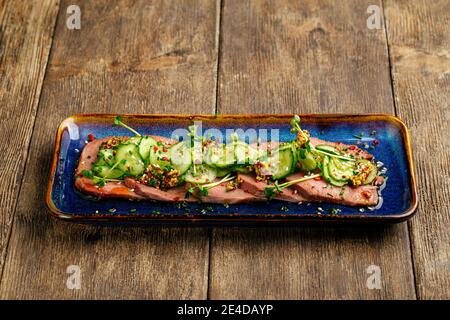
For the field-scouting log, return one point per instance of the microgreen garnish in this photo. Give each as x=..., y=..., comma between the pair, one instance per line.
x=271, y=191
x=118, y=122
x=87, y=173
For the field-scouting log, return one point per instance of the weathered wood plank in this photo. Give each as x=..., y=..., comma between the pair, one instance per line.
x=26, y=29
x=135, y=57
x=419, y=39
x=302, y=57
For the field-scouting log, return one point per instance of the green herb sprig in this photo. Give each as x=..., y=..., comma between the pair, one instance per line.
x=270, y=192
x=118, y=122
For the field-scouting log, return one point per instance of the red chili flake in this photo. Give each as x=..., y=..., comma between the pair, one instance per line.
x=155, y=148
x=317, y=178
x=352, y=147
x=376, y=142
x=164, y=149
x=165, y=158
x=91, y=137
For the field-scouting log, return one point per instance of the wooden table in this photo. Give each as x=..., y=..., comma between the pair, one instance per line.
x=224, y=56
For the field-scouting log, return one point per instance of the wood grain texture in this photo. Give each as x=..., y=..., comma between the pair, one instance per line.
x=302, y=57
x=25, y=38
x=128, y=57
x=419, y=39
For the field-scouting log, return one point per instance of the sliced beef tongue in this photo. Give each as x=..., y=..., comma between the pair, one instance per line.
x=320, y=190
x=249, y=184
x=170, y=195
x=109, y=190
x=220, y=194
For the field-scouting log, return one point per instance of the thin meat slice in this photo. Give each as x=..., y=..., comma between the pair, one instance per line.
x=249, y=184
x=220, y=194
x=169, y=195
x=320, y=190
x=116, y=190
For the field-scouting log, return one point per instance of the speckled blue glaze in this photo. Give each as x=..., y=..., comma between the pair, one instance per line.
x=397, y=195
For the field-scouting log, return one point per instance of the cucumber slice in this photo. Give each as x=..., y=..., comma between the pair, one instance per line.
x=327, y=148
x=253, y=155
x=107, y=172
x=242, y=169
x=373, y=172
x=220, y=173
x=281, y=163
x=334, y=168
x=328, y=177
x=241, y=153
x=307, y=160
x=344, y=165
x=201, y=174
x=160, y=155
x=221, y=156
x=105, y=157
x=135, y=140
x=145, y=145
x=372, y=175
x=180, y=157
x=129, y=158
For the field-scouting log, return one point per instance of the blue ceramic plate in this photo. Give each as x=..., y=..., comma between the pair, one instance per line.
x=399, y=197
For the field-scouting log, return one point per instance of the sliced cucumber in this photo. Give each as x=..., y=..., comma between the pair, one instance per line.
x=107, y=172
x=344, y=165
x=222, y=172
x=201, y=174
x=241, y=152
x=281, y=163
x=181, y=157
x=307, y=160
x=328, y=177
x=373, y=172
x=129, y=158
x=327, y=148
x=241, y=169
x=160, y=155
x=338, y=170
x=106, y=157
x=100, y=159
x=145, y=145
x=221, y=156
x=135, y=140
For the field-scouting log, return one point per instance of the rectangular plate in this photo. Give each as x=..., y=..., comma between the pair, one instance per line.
x=394, y=150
